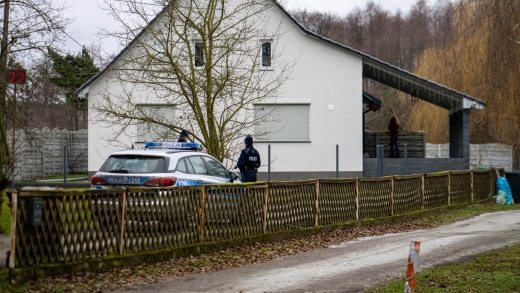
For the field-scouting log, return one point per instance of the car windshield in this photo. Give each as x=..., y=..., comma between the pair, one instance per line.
x=133, y=164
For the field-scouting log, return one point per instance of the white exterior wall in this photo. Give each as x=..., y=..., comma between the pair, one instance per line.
x=100, y=145
x=324, y=75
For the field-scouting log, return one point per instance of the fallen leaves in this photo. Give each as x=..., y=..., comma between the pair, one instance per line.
x=129, y=277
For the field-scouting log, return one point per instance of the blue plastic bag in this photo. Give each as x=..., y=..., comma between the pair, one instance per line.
x=503, y=185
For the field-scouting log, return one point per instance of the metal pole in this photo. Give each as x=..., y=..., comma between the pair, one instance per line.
x=382, y=160
x=405, y=159
x=378, y=155
x=268, y=162
x=337, y=161
x=14, y=134
x=65, y=164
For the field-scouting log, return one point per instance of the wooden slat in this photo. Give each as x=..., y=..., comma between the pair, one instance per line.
x=337, y=201
x=436, y=190
x=291, y=206
x=374, y=197
x=408, y=194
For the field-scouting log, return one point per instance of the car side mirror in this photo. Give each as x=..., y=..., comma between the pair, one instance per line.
x=233, y=176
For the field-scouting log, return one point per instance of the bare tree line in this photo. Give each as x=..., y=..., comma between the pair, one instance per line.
x=471, y=46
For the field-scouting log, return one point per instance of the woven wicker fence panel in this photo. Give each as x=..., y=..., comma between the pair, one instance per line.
x=435, y=191
x=233, y=212
x=460, y=190
x=337, y=201
x=161, y=218
x=75, y=226
x=481, y=185
x=407, y=194
x=291, y=205
x=375, y=198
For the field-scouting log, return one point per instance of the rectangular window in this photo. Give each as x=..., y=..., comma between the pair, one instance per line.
x=199, y=54
x=266, y=54
x=149, y=131
x=287, y=122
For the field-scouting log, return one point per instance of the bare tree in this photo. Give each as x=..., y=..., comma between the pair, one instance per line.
x=208, y=60
x=481, y=60
x=29, y=26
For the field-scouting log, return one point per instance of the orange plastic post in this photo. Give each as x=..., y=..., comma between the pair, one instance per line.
x=413, y=265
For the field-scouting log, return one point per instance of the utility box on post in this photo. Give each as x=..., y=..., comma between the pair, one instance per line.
x=34, y=211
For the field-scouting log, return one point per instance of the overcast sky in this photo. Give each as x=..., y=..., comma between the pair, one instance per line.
x=89, y=17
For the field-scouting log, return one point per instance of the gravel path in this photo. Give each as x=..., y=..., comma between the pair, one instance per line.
x=355, y=265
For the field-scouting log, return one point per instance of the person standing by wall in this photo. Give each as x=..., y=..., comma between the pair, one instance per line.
x=393, y=127
x=249, y=161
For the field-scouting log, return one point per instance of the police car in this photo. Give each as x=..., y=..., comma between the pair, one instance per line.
x=161, y=164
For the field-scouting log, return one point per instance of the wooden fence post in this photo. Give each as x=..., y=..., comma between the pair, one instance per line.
x=264, y=220
x=357, y=198
x=122, y=199
x=14, y=219
x=316, y=204
x=449, y=188
x=392, y=196
x=423, y=190
x=201, y=213
x=471, y=184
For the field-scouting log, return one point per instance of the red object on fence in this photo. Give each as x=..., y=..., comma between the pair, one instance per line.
x=413, y=265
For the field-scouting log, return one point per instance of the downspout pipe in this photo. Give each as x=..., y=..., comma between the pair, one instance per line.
x=374, y=118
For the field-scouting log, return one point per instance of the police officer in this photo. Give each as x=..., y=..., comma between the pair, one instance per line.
x=184, y=136
x=249, y=161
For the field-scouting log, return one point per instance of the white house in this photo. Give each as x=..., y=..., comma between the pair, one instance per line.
x=320, y=106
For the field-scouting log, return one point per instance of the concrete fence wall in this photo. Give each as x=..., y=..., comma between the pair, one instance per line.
x=491, y=154
x=39, y=152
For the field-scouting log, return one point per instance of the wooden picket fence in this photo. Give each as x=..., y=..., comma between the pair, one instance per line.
x=80, y=225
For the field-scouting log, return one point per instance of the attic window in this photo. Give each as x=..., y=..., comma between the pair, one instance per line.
x=266, y=54
x=199, y=54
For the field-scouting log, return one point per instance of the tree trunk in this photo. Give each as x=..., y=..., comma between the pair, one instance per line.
x=4, y=153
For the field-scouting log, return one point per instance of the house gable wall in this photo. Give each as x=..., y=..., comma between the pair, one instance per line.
x=323, y=76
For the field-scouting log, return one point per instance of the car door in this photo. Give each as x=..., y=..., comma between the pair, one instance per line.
x=218, y=172
x=195, y=172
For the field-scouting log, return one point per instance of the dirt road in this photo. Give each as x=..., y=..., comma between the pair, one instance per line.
x=356, y=265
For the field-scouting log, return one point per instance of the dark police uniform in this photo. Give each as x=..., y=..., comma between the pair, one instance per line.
x=248, y=162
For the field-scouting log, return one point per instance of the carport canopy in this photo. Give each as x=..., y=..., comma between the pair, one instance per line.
x=419, y=87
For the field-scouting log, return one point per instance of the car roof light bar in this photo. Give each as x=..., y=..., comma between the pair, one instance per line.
x=172, y=145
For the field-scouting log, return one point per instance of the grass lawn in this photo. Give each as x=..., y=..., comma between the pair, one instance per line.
x=5, y=214
x=69, y=176
x=497, y=271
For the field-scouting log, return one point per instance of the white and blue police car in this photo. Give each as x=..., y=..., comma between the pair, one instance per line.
x=161, y=164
